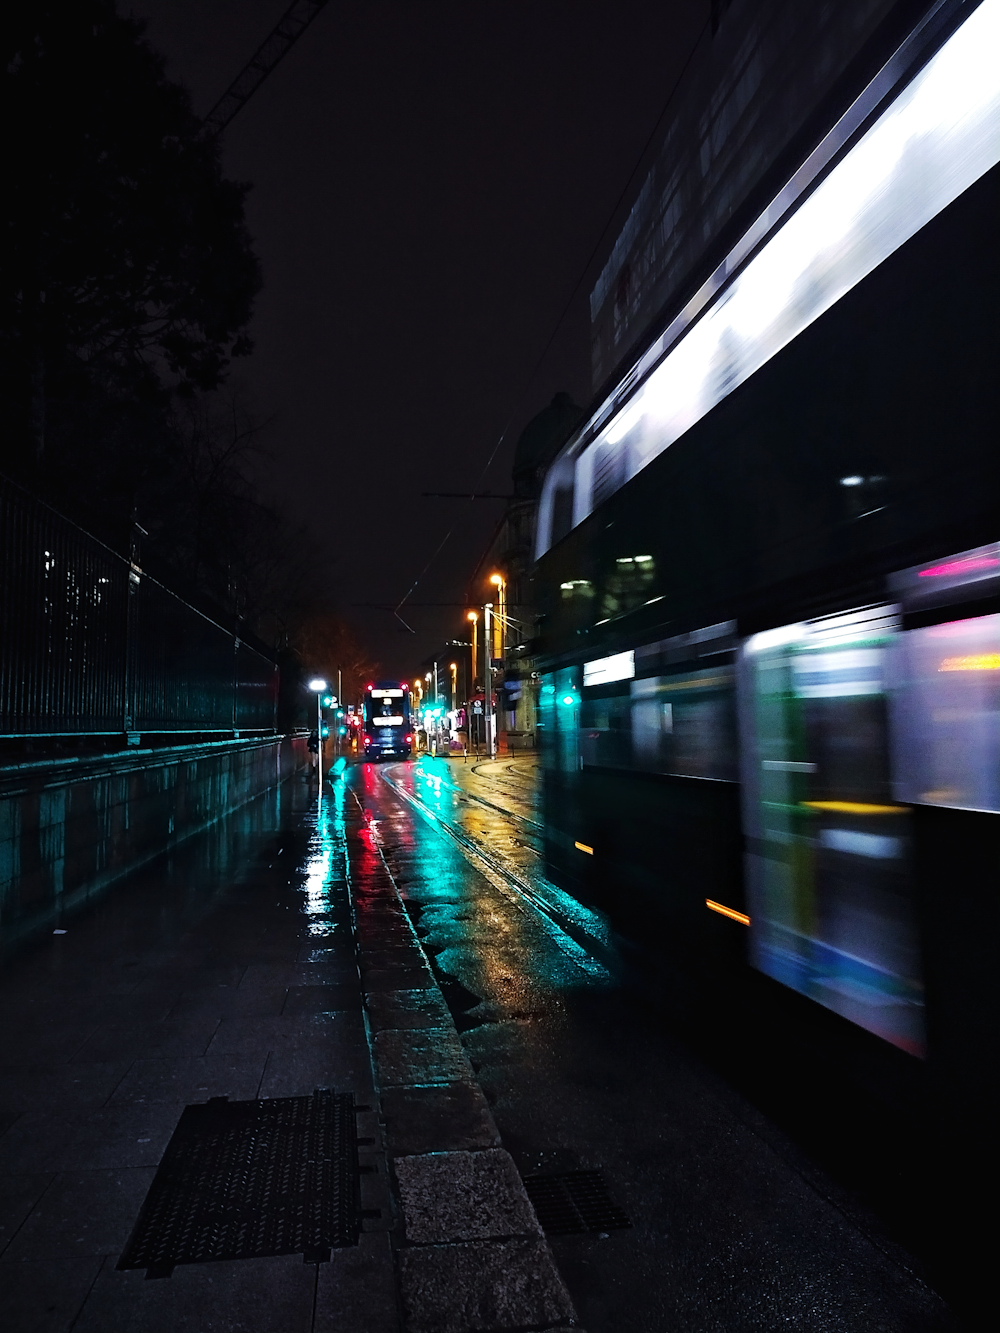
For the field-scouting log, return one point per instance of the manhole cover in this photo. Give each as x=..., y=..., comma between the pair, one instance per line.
x=242, y=1180
x=574, y=1201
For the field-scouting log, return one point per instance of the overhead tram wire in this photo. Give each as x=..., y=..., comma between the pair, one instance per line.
x=274, y=48
x=475, y=493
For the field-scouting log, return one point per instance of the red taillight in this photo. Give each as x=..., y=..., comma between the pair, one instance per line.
x=368, y=740
x=403, y=686
x=408, y=739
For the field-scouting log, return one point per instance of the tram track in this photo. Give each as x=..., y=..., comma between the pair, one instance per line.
x=519, y=784
x=497, y=809
x=577, y=932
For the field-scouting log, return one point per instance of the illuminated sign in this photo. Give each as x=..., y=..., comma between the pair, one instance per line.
x=394, y=721
x=933, y=141
x=387, y=694
x=607, y=669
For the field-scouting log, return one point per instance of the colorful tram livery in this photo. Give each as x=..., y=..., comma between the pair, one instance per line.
x=769, y=576
x=387, y=720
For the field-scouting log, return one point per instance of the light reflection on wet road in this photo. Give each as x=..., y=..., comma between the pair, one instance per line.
x=732, y=1229
x=499, y=836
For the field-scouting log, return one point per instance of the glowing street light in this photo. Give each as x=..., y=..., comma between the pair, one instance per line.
x=319, y=686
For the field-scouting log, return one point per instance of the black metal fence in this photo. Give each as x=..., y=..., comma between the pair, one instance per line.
x=91, y=644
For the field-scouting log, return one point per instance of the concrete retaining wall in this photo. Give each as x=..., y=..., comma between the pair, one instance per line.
x=69, y=827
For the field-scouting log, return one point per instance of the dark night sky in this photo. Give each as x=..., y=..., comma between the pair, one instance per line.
x=429, y=182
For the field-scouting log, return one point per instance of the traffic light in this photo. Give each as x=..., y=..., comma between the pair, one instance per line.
x=328, y=700
x=324, y=731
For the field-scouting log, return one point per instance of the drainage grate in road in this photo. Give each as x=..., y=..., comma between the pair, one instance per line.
x=574, y=1201
x=242, y=1180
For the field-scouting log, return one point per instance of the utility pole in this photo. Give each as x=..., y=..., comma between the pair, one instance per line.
x=488, y=676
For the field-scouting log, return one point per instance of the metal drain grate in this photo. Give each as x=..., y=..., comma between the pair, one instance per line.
x=574, y=1201
x=241, y=1180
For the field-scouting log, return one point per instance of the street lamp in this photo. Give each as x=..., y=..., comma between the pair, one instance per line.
x=488, y=677
x=319, y=686
x=453, y=668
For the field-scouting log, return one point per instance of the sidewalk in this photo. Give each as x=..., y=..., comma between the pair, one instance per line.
x=230, y=969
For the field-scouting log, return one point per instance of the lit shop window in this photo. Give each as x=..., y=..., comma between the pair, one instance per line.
x=829, y=878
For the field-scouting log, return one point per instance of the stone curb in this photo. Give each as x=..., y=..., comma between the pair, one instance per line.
x=470, y=1255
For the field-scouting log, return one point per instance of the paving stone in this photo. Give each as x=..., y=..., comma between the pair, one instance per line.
x=420, y=1055
x=249, y=1296
x=384, y=959
x=339, y=967
x=56, y=1086
x=184, y=1036
x=191, y=1080
x=239, y=1036
x=83, y=1213
x=190, y=974
x=28, y=1043
x=400, y=978
x=407, y=1009
x=438, y=1118
x=451, y=1196
x=314, y=955
x=356, y=1290
x=322, y=999
x=295, y=1071
x=124, y=1135
x=230, y=1002
x=45, y=1295
x=18, y=1196
x=384, y=931
x=481, y=1287
x=51, y=1009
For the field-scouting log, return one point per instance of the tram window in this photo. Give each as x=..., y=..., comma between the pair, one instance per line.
x=829, y=875
x=946, y=715
x=685, y=724
x=605, y=731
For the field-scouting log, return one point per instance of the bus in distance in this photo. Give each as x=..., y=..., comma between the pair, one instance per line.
x=387, y=720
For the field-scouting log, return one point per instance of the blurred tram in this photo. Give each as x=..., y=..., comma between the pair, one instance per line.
x=387, y=729
x=769, y=576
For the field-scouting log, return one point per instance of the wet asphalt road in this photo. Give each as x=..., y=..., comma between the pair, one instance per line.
x=732, y=1226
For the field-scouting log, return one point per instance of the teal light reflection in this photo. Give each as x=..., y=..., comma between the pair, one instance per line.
x=325, y=860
